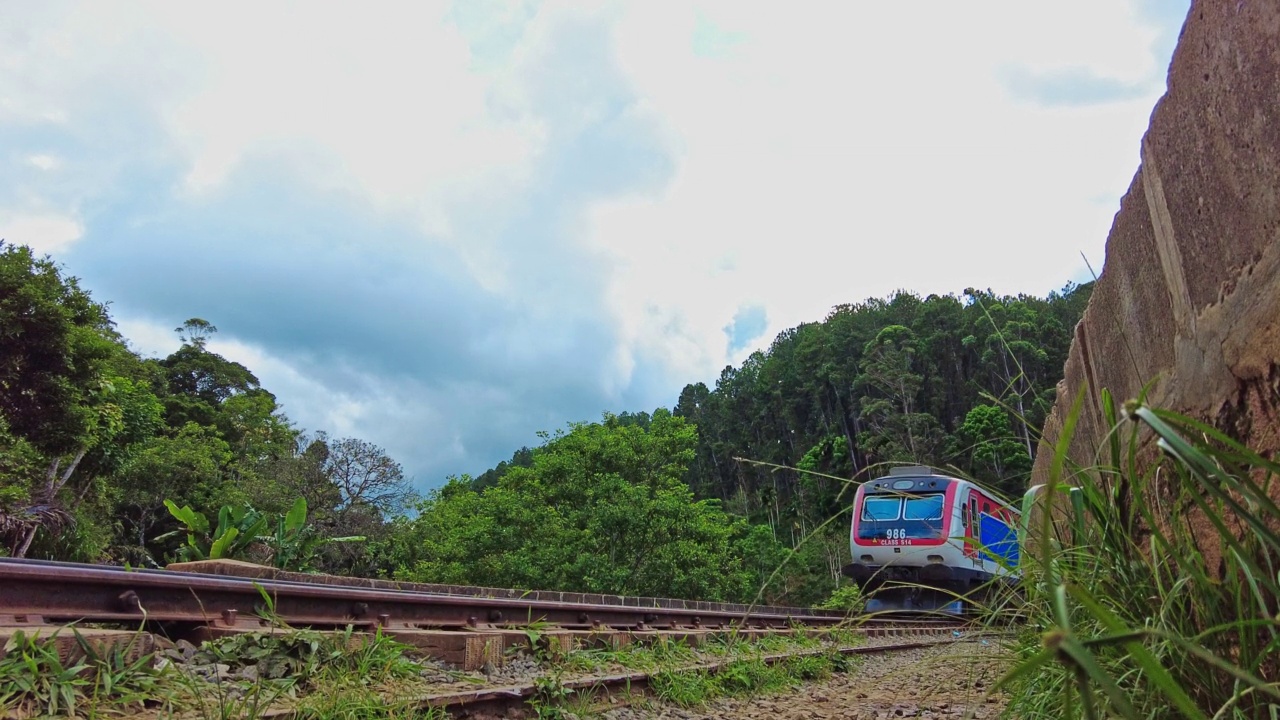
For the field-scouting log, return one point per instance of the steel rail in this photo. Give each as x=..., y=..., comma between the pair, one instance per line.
x=593, y=599
x=63, y=592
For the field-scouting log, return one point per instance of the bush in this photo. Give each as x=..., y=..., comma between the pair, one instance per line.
x=847, y=598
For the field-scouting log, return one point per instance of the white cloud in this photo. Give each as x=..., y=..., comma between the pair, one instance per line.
x=44, y=162
x=836, y=152
x=386, y=96
x=44, y=233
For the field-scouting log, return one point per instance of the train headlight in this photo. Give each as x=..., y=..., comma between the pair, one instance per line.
x=935, y=559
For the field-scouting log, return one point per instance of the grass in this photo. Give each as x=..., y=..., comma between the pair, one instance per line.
x=742, y=677
x=355, y=701
x=1151, y=578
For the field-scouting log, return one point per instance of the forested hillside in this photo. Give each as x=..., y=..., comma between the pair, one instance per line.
x=735, y=490
x=962, y=382
x=942, y=381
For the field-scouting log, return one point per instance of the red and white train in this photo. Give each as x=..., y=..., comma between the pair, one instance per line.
x=932, y=538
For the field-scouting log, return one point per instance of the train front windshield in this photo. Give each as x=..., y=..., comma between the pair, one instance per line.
x=901, y=517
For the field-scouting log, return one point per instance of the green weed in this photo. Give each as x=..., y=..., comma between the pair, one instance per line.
x=34, y=680
x=549, y=697
x=809, y=667
x=304, y=656
x=686, y=689
x=1151, y=593
x=356, y=701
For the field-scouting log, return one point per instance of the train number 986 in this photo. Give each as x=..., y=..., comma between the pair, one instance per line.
x=895, y=536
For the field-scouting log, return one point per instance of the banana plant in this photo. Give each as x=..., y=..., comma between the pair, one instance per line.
x=295, y=544
x=292, y=546
x=237, y=529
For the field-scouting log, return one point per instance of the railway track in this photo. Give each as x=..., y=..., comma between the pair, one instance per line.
x=467, y=627
x=41, y=592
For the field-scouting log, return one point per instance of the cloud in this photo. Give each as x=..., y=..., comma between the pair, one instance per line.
x=449, y=336
x=44, y=233
x=1069, y=86
x=748, y=325
x=43, y=162
x=443, y=226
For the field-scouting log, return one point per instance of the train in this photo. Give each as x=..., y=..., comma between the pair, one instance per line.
x=920, y=540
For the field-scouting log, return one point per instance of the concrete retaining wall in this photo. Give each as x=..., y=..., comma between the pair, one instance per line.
x=1189, y=295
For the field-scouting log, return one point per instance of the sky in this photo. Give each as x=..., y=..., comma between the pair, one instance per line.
x=445, y=226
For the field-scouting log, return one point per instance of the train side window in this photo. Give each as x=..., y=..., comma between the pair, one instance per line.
x=964, y=514
x=973, y=510
x=986, y=508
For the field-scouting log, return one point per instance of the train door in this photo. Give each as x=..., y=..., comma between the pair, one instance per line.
x=969, y=522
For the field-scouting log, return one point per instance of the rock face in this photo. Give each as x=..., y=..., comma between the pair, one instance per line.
x=1189, y=296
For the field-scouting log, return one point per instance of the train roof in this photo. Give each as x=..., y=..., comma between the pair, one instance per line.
x=922, y=479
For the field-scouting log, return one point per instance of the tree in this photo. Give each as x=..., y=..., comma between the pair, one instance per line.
x=198, y=382
x=69, y=389
x=366, y=477
x=1009, y=337
x=54, y=340
x=520, y=458
x=897, y=431
x=196, y=332
x=988, y=446
x=189, y=466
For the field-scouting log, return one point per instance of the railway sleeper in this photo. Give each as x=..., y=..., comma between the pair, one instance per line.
x=67, y=640
x=467, y=649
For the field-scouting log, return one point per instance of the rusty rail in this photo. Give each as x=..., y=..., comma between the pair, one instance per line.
x=51, y=592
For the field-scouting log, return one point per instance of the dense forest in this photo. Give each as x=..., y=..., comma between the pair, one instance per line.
x=737, y=492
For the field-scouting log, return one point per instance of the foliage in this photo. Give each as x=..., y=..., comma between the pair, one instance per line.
x=238, y=528
x=885, y=379
x=739, y=677
x=846, y=597
x=54, y=342
x=94, y=439
x=986, y=443
x=345, y=700
x=309, y=658
x=323, y=674
x=603, y=508
x=295, y=543
x=1151, y=585
x=241, y=529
